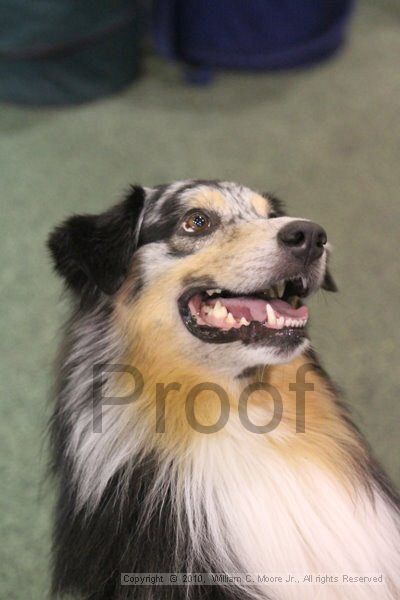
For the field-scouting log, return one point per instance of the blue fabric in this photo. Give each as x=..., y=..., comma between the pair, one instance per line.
x=254, y=34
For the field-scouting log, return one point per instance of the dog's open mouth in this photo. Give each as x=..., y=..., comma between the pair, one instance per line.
x=217, y=315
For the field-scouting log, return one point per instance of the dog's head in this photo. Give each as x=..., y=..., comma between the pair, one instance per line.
x=213, y=267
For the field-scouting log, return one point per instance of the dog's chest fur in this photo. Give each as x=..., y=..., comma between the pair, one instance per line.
x=285, y=503
x=293, y=517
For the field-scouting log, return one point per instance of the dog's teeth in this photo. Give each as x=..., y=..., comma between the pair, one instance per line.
x=270, y=315
x=220, y=311
x=304, y=282
x=207, y=309
x=273, y=292
x=211, y=292
x=281, y=288
x=244, y=321
x=280, y=322
x=230, y=319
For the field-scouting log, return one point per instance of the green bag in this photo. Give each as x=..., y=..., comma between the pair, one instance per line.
x=67, y=51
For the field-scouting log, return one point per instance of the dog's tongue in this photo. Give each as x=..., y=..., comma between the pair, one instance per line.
x=254, y=309
x=286, y=310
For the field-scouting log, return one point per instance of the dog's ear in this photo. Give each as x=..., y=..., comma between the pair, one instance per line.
x=93, y=252
x=328, y=282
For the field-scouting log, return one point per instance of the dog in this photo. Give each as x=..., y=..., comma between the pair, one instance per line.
x=194, y=431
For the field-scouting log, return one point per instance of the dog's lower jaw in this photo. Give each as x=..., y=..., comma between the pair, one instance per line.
x=253, y=355
x=234, y=358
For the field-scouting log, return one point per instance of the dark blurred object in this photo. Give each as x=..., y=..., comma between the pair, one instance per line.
x=67, y=51
x=249, y=34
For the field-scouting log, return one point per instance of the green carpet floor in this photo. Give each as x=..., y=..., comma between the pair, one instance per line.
x=326, y=140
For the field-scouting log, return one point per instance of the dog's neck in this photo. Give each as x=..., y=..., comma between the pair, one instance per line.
x=235, y=485
x=291, y=407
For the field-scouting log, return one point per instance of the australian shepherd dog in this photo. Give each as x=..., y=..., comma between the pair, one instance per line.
x=194, y=431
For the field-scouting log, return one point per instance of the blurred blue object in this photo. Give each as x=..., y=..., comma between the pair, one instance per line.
x=249, y=34
x=65, y=51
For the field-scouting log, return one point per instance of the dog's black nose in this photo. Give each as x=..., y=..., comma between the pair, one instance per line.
x=304, y=239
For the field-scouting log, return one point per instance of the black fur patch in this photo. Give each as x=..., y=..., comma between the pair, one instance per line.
x=93, y=252
x=92, y=550
x=249, y=372
x=278, y=207
x=329, y=283
x=331, y=386
x=164, y=227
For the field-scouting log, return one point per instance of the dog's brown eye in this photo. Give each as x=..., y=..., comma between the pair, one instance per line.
x=197, y=222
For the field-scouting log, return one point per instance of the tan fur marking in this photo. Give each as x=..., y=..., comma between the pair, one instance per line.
x=208, y=198
x=260, y=205
x=327, y=438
